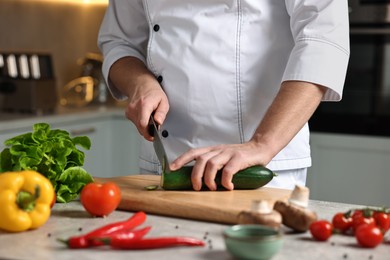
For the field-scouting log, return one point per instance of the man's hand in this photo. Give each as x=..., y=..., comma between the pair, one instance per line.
x=146, y=100
x=145, y=95
x=208, y=160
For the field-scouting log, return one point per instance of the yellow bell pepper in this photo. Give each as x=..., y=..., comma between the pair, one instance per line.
x=25, y=200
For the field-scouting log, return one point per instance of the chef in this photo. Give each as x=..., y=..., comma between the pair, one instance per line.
x=233, y=83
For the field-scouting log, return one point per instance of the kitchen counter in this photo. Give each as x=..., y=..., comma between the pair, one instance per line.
x=11, y=121
x=71, y=219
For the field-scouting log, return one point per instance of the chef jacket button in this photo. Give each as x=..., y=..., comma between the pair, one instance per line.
x=164, y=133
x=159, y=79
x=156, y=27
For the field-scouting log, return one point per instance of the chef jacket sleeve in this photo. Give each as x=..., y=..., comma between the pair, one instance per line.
x=321, y=34
x=123, y=32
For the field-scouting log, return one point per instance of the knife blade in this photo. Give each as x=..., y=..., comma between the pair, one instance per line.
x=158, y=144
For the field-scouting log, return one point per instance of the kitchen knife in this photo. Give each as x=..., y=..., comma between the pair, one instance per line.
x=158, y=144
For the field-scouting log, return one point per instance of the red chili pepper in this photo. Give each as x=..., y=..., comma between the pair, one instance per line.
x=152, y=243
x=83, y=242
x=119, y=235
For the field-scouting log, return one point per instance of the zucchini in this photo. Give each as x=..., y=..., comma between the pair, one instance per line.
x=250, y=178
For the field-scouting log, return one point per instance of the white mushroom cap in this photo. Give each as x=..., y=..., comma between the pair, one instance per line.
x=261, y=206
x=300, y=196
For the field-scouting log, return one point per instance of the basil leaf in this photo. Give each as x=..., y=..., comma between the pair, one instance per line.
x=54, y=154
x=5, y=160
x=71, y=181
x=83, y=141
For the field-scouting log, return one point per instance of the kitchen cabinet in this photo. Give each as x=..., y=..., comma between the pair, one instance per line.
x=114, y=150
x=115, y=141
x=124, y=146
x=350, y=169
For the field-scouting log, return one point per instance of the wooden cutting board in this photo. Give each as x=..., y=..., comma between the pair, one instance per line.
x=211, y=206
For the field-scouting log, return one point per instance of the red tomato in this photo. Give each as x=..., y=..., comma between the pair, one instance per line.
x=342, y=222
x=382, y=220
x=100, y=199
x=360, y=217
x=357, y=213
x=54, y=200
x=360, y=220
x=321, y=230
x=368, y=235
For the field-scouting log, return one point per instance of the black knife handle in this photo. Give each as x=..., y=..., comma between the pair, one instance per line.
x=151, y=129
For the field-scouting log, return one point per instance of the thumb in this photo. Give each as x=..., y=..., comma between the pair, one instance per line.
x=161, y=112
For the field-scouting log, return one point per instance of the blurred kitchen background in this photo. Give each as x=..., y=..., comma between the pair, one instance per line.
x=61, y=34
x=49, y=59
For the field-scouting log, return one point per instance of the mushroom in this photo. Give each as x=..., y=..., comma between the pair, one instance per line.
x=295, y=213
x=261, y=213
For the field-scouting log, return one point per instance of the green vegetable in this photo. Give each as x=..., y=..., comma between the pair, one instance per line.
x=151, y=187
x=52, y=153
x=250, y=178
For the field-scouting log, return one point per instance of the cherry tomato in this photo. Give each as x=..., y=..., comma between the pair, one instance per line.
x=368, y=235
x=321, y=230
x=357, y=213
x=360, y=217
x=361, y=220
x=342, y=222
x=382, y=220
x=100, y=199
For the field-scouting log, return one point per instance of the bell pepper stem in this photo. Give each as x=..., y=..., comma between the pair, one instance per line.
x=26, y=201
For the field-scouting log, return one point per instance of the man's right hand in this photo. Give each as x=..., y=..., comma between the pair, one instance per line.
x=145, y=95
x=146, y=100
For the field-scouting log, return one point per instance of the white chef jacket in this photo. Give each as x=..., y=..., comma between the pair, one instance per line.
x=221, y=63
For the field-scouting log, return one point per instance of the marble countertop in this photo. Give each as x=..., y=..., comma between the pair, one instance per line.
x=71, y=219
